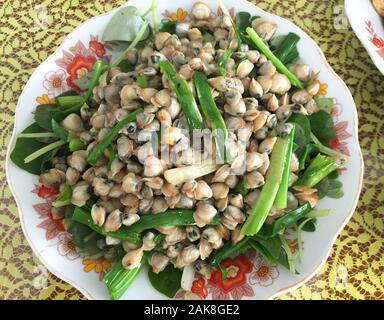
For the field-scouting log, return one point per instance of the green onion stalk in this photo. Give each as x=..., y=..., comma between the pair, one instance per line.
x=212, y=113
x=172, y=217
x=118, y=278
x=319, y=168
x=282, y=194
x=267, y=196
x=184, y=95
x=98, y=150
x=263, y=47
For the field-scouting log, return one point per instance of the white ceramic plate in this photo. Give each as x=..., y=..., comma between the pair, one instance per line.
x=368, y=26
x=256, y=279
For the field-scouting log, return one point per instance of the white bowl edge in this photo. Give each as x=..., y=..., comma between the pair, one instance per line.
x=373, y=55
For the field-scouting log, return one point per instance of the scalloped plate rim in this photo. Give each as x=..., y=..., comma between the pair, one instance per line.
x=272, y=296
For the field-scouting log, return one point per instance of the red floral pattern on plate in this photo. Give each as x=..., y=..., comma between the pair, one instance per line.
x=339, y=142
x=45, y=193
x=198, y=287
x=235, y=284
x=97, y=47
x=43, y=209
x=79, y=60
x=377, y=41
x=342, y=135
x=52, y=227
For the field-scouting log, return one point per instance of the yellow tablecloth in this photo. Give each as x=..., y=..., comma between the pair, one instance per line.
x=31, y=31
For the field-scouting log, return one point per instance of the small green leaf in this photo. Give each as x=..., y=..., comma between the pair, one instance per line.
x=168, y=26
x=303, y=129
x=306, y=154
x=332, y=188
x=124, y=25
x=325, y=104
x=322, y=126
x=43, y=115
x=76, y=144
x=83, y=82
x=142, y=81
x=243, y=20
x=25, y=146
x=309, y=226
x=272, y=245
x=208, y=37
x=167, y=282
x=84, y=238
x=64, y=198
x=126, y=66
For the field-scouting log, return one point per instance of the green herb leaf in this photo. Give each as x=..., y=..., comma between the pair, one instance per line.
x=286, y=52
x=126, y=66
x=309, y=226
x=124, y=25
x=64, y=198
x=227, y=250
x=243, y=20
x=302, y=130
x=212, y=114
x=305, y=155
x=264, y=252
x=168, y=26
x=272, y=245
x=319, y=168
x=332, y=188
x=76, y=144
x=208, y=37
x=26, y=146
x=68, y=93
x=264, y=202
x=118, y=279
x=325, y=104
x=111, y=155
x=98, y=150
x=85, y=239
x=285, y=262
x=240, y=188
x=184, y=95
x=83, y=82
x=43, y=115
x=167, y=282
x=83, y=216
x=263, y=47
x=322, y=126
x=142, y=81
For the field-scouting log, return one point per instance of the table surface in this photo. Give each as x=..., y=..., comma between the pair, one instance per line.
x=26, y=41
